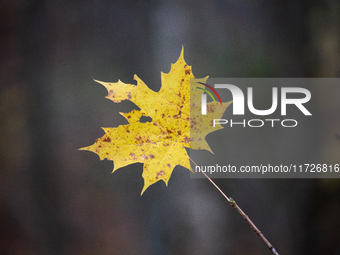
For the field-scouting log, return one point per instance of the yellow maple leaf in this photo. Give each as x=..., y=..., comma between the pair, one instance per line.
x=159, y=144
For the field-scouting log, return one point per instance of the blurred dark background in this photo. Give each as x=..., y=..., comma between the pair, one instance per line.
x=55, y=199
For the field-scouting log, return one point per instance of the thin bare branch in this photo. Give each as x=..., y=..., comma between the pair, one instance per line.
x=245, y=216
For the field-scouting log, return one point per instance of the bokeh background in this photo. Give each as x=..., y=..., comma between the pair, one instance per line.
x=55, y=199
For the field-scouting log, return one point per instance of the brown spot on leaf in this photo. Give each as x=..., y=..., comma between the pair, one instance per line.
x=111, y=92
x=160, y=174
x=155, y=124
x=179, y=132
x=107, y=139
x=129, y=95
x=211, y=108
x=178, y=115
x=152, y=156
x=187, y=72
x=168, y=165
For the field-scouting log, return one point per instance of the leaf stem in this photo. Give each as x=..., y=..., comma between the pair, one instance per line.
x=245, y=216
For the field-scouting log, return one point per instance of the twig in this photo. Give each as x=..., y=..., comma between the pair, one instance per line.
x=245, y=216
